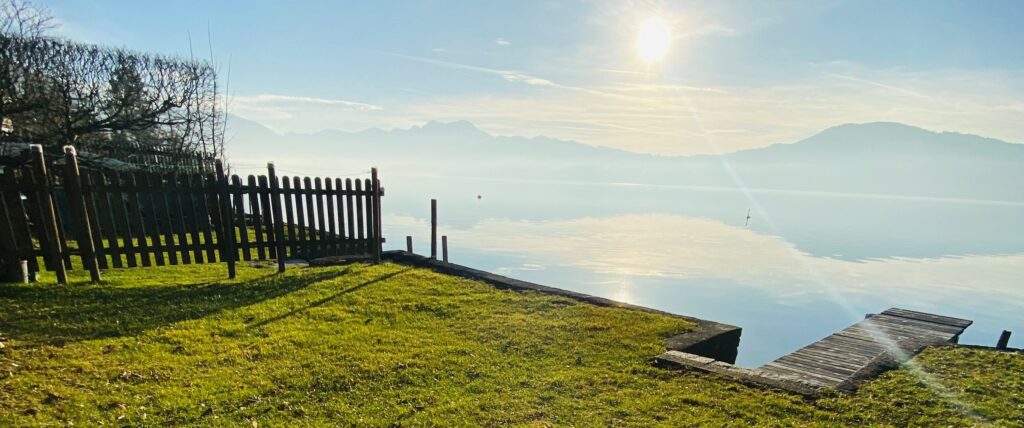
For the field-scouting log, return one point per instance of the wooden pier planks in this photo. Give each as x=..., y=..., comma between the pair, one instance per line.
x=851, y=354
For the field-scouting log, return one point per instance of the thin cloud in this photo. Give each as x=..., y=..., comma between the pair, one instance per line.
x=502, y=42
x=289, y=99
x=878, y=84
x=275, y=107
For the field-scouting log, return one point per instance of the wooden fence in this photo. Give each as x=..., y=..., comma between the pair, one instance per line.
x=111, y=219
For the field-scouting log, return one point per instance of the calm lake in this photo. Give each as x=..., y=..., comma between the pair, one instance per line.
x=805, y=265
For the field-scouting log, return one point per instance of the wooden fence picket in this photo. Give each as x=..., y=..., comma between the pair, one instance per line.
x=151, y=218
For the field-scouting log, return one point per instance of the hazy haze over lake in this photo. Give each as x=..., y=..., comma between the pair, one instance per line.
x=810, y=262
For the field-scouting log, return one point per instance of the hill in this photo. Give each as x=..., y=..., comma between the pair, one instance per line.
x=876, y=158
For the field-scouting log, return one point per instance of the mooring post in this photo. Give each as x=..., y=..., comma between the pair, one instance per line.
x=433, y=229
x=408, y=244
x=444, y=248
x=48, y=214
x=275, y=208
x=83, y=230
x=1004, y=340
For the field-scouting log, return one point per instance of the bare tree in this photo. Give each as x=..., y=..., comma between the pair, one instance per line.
x=24, y=19
x=134, y=107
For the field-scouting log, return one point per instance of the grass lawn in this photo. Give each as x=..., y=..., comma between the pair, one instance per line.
x=391, y=345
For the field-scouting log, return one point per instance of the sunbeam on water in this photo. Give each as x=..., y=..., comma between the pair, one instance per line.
x=686, y=250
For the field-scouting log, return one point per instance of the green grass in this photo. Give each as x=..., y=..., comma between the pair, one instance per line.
x=391, y=345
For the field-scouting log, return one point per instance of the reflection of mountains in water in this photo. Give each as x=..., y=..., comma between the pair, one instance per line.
x=874, y=158
x=846, y=227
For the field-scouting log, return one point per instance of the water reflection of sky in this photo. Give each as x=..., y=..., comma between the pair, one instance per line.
x=825, y=262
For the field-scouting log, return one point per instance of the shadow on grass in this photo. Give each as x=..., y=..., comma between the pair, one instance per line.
x=54, y=315
x=323, y=301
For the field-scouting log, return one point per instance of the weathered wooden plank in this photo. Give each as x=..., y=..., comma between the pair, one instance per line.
x=102, y=192
x=350, y=214
x=332, y=237
x=162, y=194
x=800, y=373
x=267, y=219
x=237, y=193
x=47, y=218
x=275, y=198
x=226, y=233
x=893, y=320
x=810, y=370
x=95, y=221
x=209, y=214
x=300, y=219
x=134, y=213
x=175, y=193
x=152, y=222
x=842, y=356
x=922, y=316
x=321, y=227
x=831, y=365
x=74, y=189
x=19, y=219
x=312, y=246
x=190, y=196
x=289, y=218
x=256, y=214
x=359, y=210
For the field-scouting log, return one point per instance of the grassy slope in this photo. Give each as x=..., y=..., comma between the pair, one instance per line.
x=378, y=345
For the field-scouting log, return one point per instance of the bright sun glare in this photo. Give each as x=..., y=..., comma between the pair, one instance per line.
x=654, y=39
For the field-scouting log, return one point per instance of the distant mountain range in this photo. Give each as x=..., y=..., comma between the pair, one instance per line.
x=875, y=158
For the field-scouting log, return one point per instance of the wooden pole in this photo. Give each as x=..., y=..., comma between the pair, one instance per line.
x=433, y=229
x=408, y=244
x=227, y=232
x=444, y=248
x=1004, y=340
x=83, y=232
x=378, y=245
x=275, y=203
x=49, y=216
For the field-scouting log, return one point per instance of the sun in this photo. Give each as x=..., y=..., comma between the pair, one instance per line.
x=654, y=39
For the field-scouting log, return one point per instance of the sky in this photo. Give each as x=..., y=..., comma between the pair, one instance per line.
x=736, y=74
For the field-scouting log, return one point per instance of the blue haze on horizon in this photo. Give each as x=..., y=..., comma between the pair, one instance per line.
x=738, y=74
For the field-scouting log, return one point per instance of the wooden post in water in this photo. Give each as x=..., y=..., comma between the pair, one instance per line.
x=433, y=229
x=408, y=244
x=83, y=231
x=49, y=216
x=1004, y=340
x=227, y=233
x=444, y=248
x=275, y=203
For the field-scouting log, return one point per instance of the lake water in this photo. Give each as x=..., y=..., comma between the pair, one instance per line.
x=806, y=264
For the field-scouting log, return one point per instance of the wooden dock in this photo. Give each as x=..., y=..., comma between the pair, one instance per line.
x=860, y=350
x=839, y=361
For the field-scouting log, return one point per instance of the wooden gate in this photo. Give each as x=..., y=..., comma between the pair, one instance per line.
x=115, y=219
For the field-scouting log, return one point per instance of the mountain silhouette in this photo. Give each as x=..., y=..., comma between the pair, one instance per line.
x=874, y=158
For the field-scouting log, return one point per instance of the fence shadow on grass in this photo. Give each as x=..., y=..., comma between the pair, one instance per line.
x=55, y=315
x=324, y=300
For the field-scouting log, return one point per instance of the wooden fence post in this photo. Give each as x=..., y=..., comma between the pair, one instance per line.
x=10, y=257
x=1004, y=340
x=49, y=216
x=378, y=244
x=444, y=248
x=433, y=229
x=83, y=229
x=227, y=235
x=275, y=203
